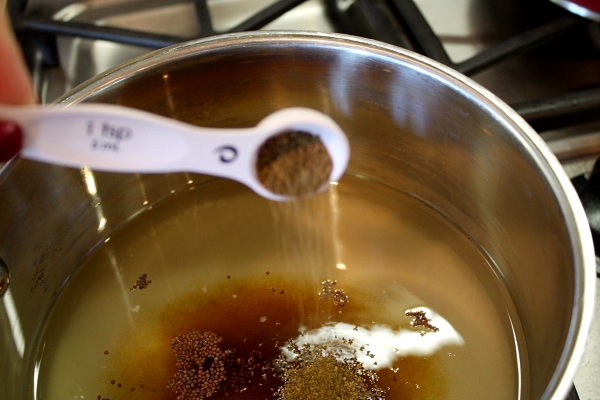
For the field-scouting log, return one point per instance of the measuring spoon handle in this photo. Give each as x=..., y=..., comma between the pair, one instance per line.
x=119, y=139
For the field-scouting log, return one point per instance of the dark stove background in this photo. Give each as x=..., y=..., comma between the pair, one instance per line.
x=542, y=60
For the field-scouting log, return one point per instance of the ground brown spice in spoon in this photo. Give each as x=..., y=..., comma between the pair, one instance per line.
x=294, y=164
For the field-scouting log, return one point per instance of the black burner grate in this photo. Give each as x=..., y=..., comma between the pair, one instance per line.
x=37, y=27
x=398, y=22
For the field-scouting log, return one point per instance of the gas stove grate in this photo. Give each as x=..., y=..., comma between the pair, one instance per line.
x=398, y=22
x=42, y=31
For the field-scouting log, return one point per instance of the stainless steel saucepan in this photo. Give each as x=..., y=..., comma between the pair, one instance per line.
x=413, y=124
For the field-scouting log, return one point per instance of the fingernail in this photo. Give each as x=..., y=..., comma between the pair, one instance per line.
x=11, y=140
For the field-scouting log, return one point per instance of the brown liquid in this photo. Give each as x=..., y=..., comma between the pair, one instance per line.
x=222, y=260
x=257, y=318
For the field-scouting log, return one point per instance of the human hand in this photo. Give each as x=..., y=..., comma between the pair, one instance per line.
x=15, y=86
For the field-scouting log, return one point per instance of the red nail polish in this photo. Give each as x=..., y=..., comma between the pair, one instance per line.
x=11, y=140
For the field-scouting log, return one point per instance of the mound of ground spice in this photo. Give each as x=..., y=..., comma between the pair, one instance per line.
x=294, y=164
x=319, y=372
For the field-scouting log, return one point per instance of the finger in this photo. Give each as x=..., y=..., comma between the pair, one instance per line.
x=15, y=84
x=11, y=140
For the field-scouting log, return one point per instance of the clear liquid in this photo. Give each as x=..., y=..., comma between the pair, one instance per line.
x=222, y=259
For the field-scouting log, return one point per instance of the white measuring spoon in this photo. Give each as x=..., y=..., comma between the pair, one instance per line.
x=119, y=139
